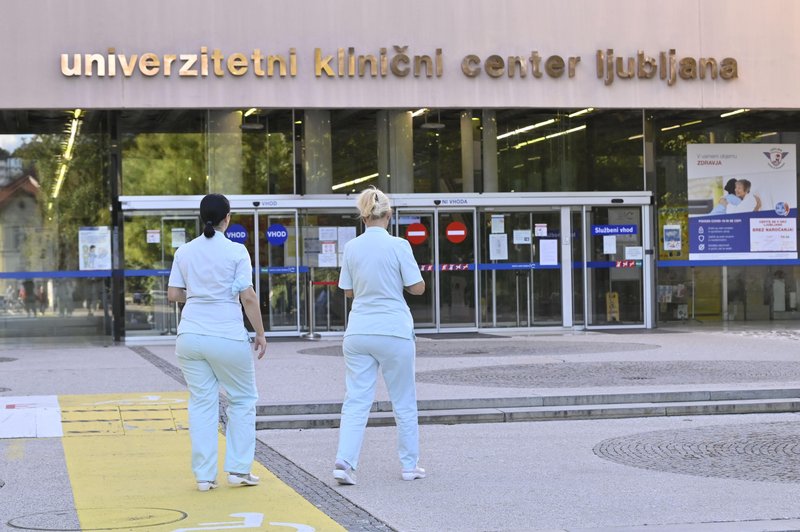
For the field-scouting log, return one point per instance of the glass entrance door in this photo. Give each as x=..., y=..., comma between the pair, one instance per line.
x=520, y=269
x=444, y=244
x=278, y=271
x=270, y=239
x=614, y=284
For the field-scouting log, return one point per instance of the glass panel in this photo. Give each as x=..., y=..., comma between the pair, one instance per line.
x=324, y=235
x=578, y=233
x=267, y=152
x=150, y=244
x=457, y=269
x=354, y=147
x=164, y=152
x=53, y=185
x=279, y=264
x=546, y=276
x=422, y=242
x=615, y=268
x=554, y=151
x=523, y=289
x=732, y=292
x=437, y=152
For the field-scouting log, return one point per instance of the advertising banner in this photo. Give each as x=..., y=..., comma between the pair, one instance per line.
x=742, y=201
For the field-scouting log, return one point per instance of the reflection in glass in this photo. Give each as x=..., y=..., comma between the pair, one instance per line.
x=52, y=183
x=561, y=151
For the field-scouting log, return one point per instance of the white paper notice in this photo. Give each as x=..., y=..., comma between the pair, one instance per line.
x=328, y=233
x=672, y=237
x=540, y=229
x=153, y=236
x=178, y=236
x=94, y=244
x=609, y=244
x=522, y=236
x=327, y=260
x=548, y=251
x=498, y=247
x=346, y=234
x=498, y=223
x=773, y=234
x=328, y=247
x=634, y=253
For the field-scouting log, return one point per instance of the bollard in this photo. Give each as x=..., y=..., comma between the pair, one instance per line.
x=311, y=335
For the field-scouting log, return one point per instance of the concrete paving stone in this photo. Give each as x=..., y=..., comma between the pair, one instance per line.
x=653, y=372
x=37, y=492
x=544, y=476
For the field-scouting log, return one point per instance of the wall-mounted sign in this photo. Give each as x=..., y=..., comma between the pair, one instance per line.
x=456, y=232
x=277, y=234
x=394, y=62
x=625, y=229
x=416, y=233
x=741, y=200
x=236, y=233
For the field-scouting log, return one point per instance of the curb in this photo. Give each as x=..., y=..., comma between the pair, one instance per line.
x=543, y=408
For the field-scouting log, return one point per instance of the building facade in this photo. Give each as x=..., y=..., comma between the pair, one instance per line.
x=554, y=164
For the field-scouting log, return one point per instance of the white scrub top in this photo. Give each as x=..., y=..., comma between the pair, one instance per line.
x=376, y=267
x=213, y=271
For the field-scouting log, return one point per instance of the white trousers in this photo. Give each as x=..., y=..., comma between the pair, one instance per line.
x=363, y=355
x=207, y=362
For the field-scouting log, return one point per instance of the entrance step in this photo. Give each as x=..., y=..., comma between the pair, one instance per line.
x=542, y=408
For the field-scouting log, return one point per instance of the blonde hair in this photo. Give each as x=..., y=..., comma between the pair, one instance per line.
x=373, y=204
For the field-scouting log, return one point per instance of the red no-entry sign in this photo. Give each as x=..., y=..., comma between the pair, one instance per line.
x=416, y=233
x=456, y=232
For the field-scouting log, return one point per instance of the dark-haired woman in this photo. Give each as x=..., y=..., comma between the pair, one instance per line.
x=214, y=276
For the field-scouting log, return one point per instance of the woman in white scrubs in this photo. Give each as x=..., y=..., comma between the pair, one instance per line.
x=376, y=268
x=214, y=277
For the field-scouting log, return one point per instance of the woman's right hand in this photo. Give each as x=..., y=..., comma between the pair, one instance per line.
x=260, y=345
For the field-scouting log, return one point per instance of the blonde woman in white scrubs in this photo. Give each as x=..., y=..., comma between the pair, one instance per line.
x=376, y=268
x=212, y=275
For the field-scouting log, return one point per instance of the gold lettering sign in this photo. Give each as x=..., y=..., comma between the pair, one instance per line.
x=396, y=61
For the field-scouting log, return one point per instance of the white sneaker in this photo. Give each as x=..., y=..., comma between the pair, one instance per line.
x=413, y=474
x=243, y=479
x=205, y=485
x=344, y=474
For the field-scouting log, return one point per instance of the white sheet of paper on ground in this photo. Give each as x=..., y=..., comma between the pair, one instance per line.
x=37, y=416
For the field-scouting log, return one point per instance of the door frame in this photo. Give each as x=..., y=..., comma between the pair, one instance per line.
x=455, y=201
x=648, y=268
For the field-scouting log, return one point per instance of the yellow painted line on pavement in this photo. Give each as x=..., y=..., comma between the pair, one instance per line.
x=129, y=462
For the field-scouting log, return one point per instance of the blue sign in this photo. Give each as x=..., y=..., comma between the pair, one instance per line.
x=627, y=229
x=236, y=233
x=277, y=234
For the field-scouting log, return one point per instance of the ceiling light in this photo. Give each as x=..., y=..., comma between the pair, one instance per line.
x=355, y=181
x=581, y=112
x=526, y=128
x=736, y=112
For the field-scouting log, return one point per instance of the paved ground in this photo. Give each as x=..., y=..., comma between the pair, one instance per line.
x=663, y=474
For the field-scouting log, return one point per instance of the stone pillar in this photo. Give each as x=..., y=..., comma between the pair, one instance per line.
x=318, y=158
x=467, y=158
x=401, y=152
x=490, y=178
x=225, y=152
